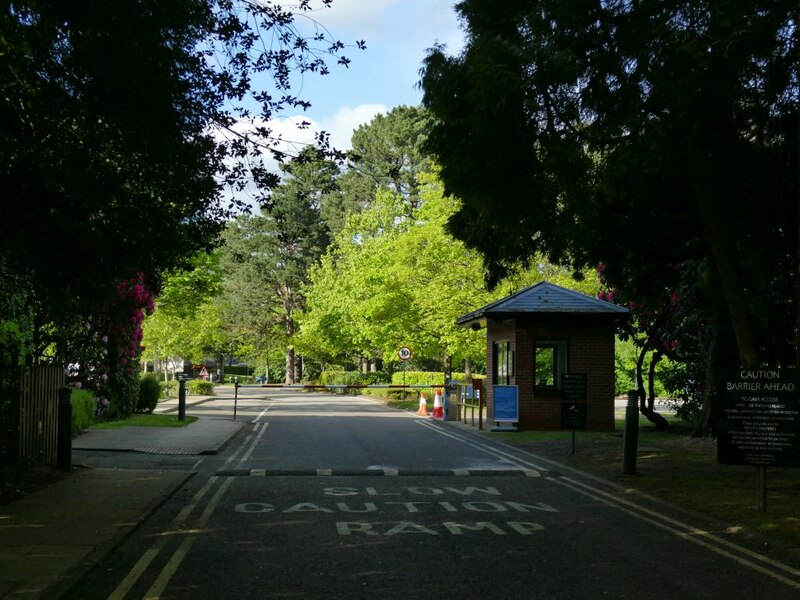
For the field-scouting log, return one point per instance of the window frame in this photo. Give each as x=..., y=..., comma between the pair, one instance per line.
x=560, y=353
x=502, y=376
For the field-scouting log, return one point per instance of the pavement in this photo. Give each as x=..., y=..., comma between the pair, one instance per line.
x=51, y=538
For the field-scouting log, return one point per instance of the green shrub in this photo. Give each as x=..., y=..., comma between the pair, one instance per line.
x=169, y=389
x=238, y=370
x=83, y=406
x=199, y=387
x=123, y=394
x=149, y=392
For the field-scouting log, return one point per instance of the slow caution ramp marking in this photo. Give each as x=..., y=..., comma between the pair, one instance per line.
x=755, y=561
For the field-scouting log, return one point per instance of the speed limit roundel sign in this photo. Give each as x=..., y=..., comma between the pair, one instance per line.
x=404, y=353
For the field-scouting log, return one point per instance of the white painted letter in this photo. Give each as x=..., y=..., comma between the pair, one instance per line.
x=492, y=506
x=408, y=527
x=492, y=491
x=254, y=507
x=368, y=507
x=373, y=492
x=518, y=506
x=346, y=528
x=456, y=528
x=524, y=528
x=307, y=507
x=425, y=491
x=340, y=491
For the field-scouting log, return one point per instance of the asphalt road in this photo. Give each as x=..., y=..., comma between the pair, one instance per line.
x=326, y=496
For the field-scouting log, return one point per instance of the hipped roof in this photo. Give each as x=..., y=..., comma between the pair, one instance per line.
x=544, y=299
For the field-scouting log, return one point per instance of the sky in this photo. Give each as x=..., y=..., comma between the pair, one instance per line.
x=385, y=75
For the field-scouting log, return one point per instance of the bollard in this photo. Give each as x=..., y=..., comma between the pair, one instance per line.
x=181, y=399
x=235, y=396
x=64, y=444
x=630, y=437
x=480, y=409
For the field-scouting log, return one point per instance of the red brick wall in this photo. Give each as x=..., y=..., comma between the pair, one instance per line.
x=590, y=350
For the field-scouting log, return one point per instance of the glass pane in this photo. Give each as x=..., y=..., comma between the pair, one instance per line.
x=545, y=366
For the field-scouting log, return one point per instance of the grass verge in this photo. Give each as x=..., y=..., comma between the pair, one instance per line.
x=151, y=420
x=683, y=471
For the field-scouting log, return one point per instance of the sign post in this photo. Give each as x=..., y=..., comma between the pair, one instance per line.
x=405, y=353
x=573, y=406
x=758, y=423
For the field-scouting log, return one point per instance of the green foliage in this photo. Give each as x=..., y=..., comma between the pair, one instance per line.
x=420, y=377
x=238, y=370
x=147, y=420
x=84, y=405
x=123, y=393
x=199, y=387
x=149, y=393
x=169, y=389
x=637, y=137
x=353, y=378
x=387, y=153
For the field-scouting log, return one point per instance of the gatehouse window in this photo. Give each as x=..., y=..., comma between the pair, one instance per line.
x=550, y=364
x=503, y=362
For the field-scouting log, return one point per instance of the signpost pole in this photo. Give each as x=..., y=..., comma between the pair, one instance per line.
x=235, y=396
x=761, y=489
x=181, y=398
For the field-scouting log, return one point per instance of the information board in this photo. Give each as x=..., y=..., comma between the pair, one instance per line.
x=758, y=421
x=573, y=415
x=573, y=387
x=506, y=404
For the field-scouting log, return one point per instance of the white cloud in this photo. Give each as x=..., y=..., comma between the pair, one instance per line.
x=290, y=138
x=353, y=18
x=346, y=120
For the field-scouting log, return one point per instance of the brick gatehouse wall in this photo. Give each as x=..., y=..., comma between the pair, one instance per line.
x=590, y=350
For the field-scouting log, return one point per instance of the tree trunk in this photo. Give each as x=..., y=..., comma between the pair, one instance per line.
x=220, y=361
x=640, y=377
x=448, y=368
x=468, y=369
x=706, y=166
x=649, y=410
x=289, y=378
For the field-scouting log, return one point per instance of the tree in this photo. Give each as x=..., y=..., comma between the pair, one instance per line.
x=639, y=135
x=267, y=258
x=390, y=280
x=120, y=126
x=187, y=318
x=387, y=153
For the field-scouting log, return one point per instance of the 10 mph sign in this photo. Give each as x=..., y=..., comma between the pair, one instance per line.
x=404, y=353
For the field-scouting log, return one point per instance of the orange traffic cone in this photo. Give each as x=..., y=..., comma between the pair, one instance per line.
x=423, y=405
x=438, y=405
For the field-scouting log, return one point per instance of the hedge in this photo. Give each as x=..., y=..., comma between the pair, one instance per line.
x=83, y=406
x=199, y=387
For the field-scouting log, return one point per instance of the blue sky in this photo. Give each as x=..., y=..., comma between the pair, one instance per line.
x=397, y=34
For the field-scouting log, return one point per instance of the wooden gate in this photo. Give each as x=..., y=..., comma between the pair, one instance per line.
x=38, y=413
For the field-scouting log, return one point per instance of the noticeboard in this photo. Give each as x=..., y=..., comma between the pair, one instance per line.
x=506, y=404
x=573, y=387
x=573, y=415
x=758, y=420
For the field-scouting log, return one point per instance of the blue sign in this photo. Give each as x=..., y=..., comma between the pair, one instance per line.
x=506, y=403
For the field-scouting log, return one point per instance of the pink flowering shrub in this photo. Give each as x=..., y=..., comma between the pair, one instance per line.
x=110, y=347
